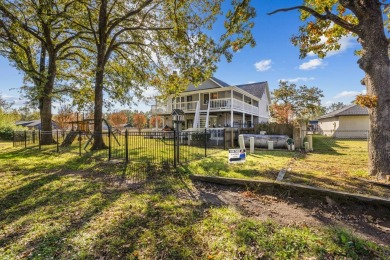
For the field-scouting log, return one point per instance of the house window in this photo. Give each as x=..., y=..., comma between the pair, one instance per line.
x=189, y=98
x=206, y=99
x=214, y=95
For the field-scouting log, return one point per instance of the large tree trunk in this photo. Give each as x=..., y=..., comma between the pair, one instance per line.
x=45, y=101
x=98, y=110
x=101, y=61
x=375, y=62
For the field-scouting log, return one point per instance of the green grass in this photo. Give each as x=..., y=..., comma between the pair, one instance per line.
x=335, y=164
x=72, y=207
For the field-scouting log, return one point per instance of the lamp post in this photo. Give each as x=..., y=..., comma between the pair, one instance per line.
x=177, y=119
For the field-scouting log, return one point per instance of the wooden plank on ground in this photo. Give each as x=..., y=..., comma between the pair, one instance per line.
x=245, y=182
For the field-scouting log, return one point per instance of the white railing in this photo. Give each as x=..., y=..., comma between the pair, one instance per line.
x=186, y=106
x=161, y=109
x=222, y=103
x=244, y=107
x=213, y=105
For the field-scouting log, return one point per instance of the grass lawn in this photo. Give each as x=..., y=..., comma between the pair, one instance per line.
x=334, y=164
x=73, y=207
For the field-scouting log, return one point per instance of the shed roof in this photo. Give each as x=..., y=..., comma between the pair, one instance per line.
x=351, y=110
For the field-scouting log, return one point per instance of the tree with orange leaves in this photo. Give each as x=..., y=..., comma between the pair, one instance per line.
x=153, y=120
x=64, y=116
x=117, y=118
x=139, y=120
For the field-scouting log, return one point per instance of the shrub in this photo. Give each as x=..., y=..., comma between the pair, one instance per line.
x=6, y=132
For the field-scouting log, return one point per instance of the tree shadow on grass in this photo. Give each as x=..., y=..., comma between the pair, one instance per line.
x=162, y=221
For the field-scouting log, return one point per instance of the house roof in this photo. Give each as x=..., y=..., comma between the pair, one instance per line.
x=351, y=110
x=220, y=82
x=257, y=89
x=34, y=123
x=215, y=83
x=177, y=112
x=23, y=123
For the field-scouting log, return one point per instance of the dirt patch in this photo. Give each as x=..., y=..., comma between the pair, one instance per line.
x=291, y=207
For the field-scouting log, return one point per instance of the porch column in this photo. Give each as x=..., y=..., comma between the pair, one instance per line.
x=243, y=119
x=252, y=120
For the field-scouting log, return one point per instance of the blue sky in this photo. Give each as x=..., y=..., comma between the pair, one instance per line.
x=274, y=58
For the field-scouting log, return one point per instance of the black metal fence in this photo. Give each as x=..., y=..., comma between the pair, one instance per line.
x=158, y=147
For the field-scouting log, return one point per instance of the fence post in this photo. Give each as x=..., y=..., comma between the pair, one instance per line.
x=39, y=139
x=174, y=148
x=205, y=142
x=25, y=139
x=109, y=144
x=79, y=142
x=33, y=136
x=127, y=146
x=58, y=146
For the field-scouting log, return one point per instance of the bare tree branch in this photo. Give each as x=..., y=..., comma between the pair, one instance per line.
x=327, y=16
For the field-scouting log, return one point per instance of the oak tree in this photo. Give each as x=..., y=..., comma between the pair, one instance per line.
x=140, y=43
x=368, y=20
x=35, y=36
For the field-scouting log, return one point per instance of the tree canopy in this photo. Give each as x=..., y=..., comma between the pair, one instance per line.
x=296, y=103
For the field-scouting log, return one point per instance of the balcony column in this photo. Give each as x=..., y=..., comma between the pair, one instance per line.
x=252, y=120
x=243, y=119
x=231, y=107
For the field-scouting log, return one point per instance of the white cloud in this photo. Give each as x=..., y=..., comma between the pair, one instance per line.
x=312, y=64
x=344, y=94
x=345, y=42
x=328, y=103
x=6, y=97
x=150, y=92
x=250, y=82
x=263, y=65
x=294, y=80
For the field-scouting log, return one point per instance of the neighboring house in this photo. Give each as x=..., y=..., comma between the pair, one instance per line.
x=348, y=122
x=35, y=124
x=217, y=104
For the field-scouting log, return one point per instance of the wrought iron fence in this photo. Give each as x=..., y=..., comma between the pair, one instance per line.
x=156, y=147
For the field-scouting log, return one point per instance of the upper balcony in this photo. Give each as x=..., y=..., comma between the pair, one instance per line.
x=222, y=104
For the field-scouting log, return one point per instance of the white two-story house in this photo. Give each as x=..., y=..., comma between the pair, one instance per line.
x=217, y=104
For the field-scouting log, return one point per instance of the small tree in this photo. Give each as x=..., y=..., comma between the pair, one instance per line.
x=154, y=120
x=65, y=115
x=117, y=118
x=335, y=106
x=296, y=103
x=139, y=120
